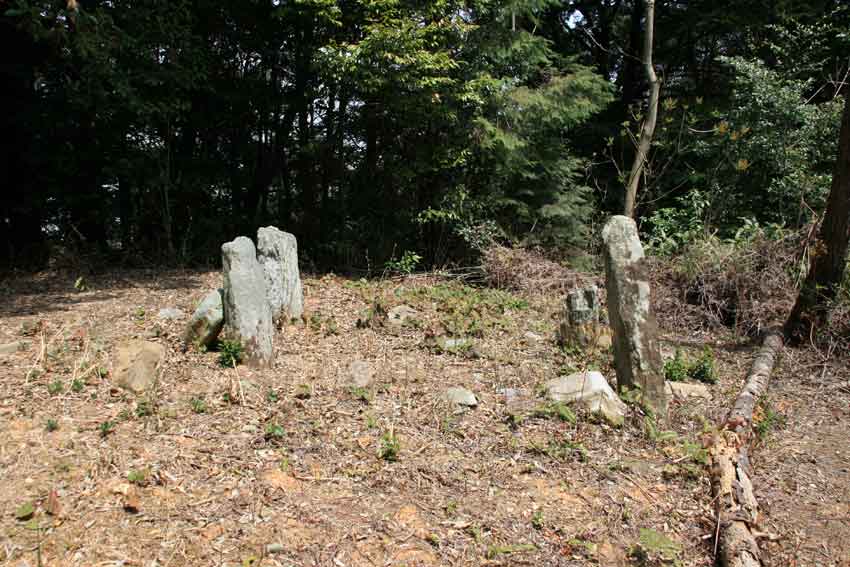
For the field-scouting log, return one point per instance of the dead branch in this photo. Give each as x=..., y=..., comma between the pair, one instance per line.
x=736, y=506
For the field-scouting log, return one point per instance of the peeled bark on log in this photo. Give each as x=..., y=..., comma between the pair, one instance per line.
x=735, y=502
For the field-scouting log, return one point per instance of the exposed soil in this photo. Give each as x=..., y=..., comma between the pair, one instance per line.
x=284, y=467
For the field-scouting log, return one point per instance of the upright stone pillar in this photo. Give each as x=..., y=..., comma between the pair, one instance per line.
x=277, y=252
x=247, y=314
x=637, y=355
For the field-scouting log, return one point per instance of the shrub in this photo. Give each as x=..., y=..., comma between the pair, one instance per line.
x=230, y=353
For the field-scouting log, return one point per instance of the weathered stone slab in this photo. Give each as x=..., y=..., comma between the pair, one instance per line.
x=637, y=354
x=137, y=363
x=277, y=253
x=592, y=390
x=247, y=313
x=581, y=325
x=206, y=322
x=684, y=390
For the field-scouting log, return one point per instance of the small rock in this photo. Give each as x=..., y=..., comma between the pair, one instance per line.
x=137, y=363
x=361, y=373
x=273, y=548
x=206, y=322
x=170, y=313
x=592, y=390
x=461, y=397
x=401, y=314
x=683, y=390
x=11, y=348
x=533, y=337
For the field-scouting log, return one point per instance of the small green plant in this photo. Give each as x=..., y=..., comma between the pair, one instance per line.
x=303, y=392
x=371, y=422
x=272, y=396
x=390, y=447
x=361, y=394
x=558, y=410
x=106, y=428
x=275, y=431
x=138, y=477
x=144, y=408
x=51, y=425
x=654, y=547
x=656, y=435
x=55, y=387
x=230, y=353
x=198, y=405
x=77, y=386
x=139, y=313
x=406, y=264
x=703, y=368
x=537, y=521
x=80, y=284
x=766, y=420
x=676, y=370
x=495, y=551
x=102, y=372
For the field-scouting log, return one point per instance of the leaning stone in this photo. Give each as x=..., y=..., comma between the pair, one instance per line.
x=170, y=313
x=683, y=390
x=637, y=355
x=461, y=397
x=137, y=363
x=590, y=389
x=277, y=252
x=247, y=313
x=206, y=322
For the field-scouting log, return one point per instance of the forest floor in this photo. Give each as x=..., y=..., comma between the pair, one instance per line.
x=295, y=465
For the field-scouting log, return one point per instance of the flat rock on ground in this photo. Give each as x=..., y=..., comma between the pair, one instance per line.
x=137, y=363
x=590, y=389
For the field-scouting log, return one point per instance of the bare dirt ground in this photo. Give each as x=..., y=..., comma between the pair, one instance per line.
x=293, y=467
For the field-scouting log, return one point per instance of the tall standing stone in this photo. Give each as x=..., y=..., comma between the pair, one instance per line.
x=277, y=252
x=247, y=313
x=637, y=355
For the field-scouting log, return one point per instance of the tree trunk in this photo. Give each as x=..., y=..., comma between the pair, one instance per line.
x=735, y=503
x=829, y=254
x=648, y=127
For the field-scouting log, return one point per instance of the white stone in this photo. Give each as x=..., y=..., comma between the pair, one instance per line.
x=590, y=389
x=400, y=314
x=684, y=390
x=277, y=253
x=207, y=320
x=247, y=313
x=361, y=374
x=461, y=397
x=170, y=313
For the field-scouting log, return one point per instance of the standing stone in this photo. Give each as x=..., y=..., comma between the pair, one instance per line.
x=581, y=324
x=247, y=313
x=206, y=322
x=637, y=355
x=277, y=252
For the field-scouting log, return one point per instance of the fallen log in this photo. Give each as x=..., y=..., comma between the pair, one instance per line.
x=736, y=507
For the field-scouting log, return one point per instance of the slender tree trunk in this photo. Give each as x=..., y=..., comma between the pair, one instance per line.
x=829, y=254
x=648, y=127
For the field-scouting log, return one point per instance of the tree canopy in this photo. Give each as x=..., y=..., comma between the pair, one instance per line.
x=153, y=131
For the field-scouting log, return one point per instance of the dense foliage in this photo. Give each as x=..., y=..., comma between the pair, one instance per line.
x=379, y=130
